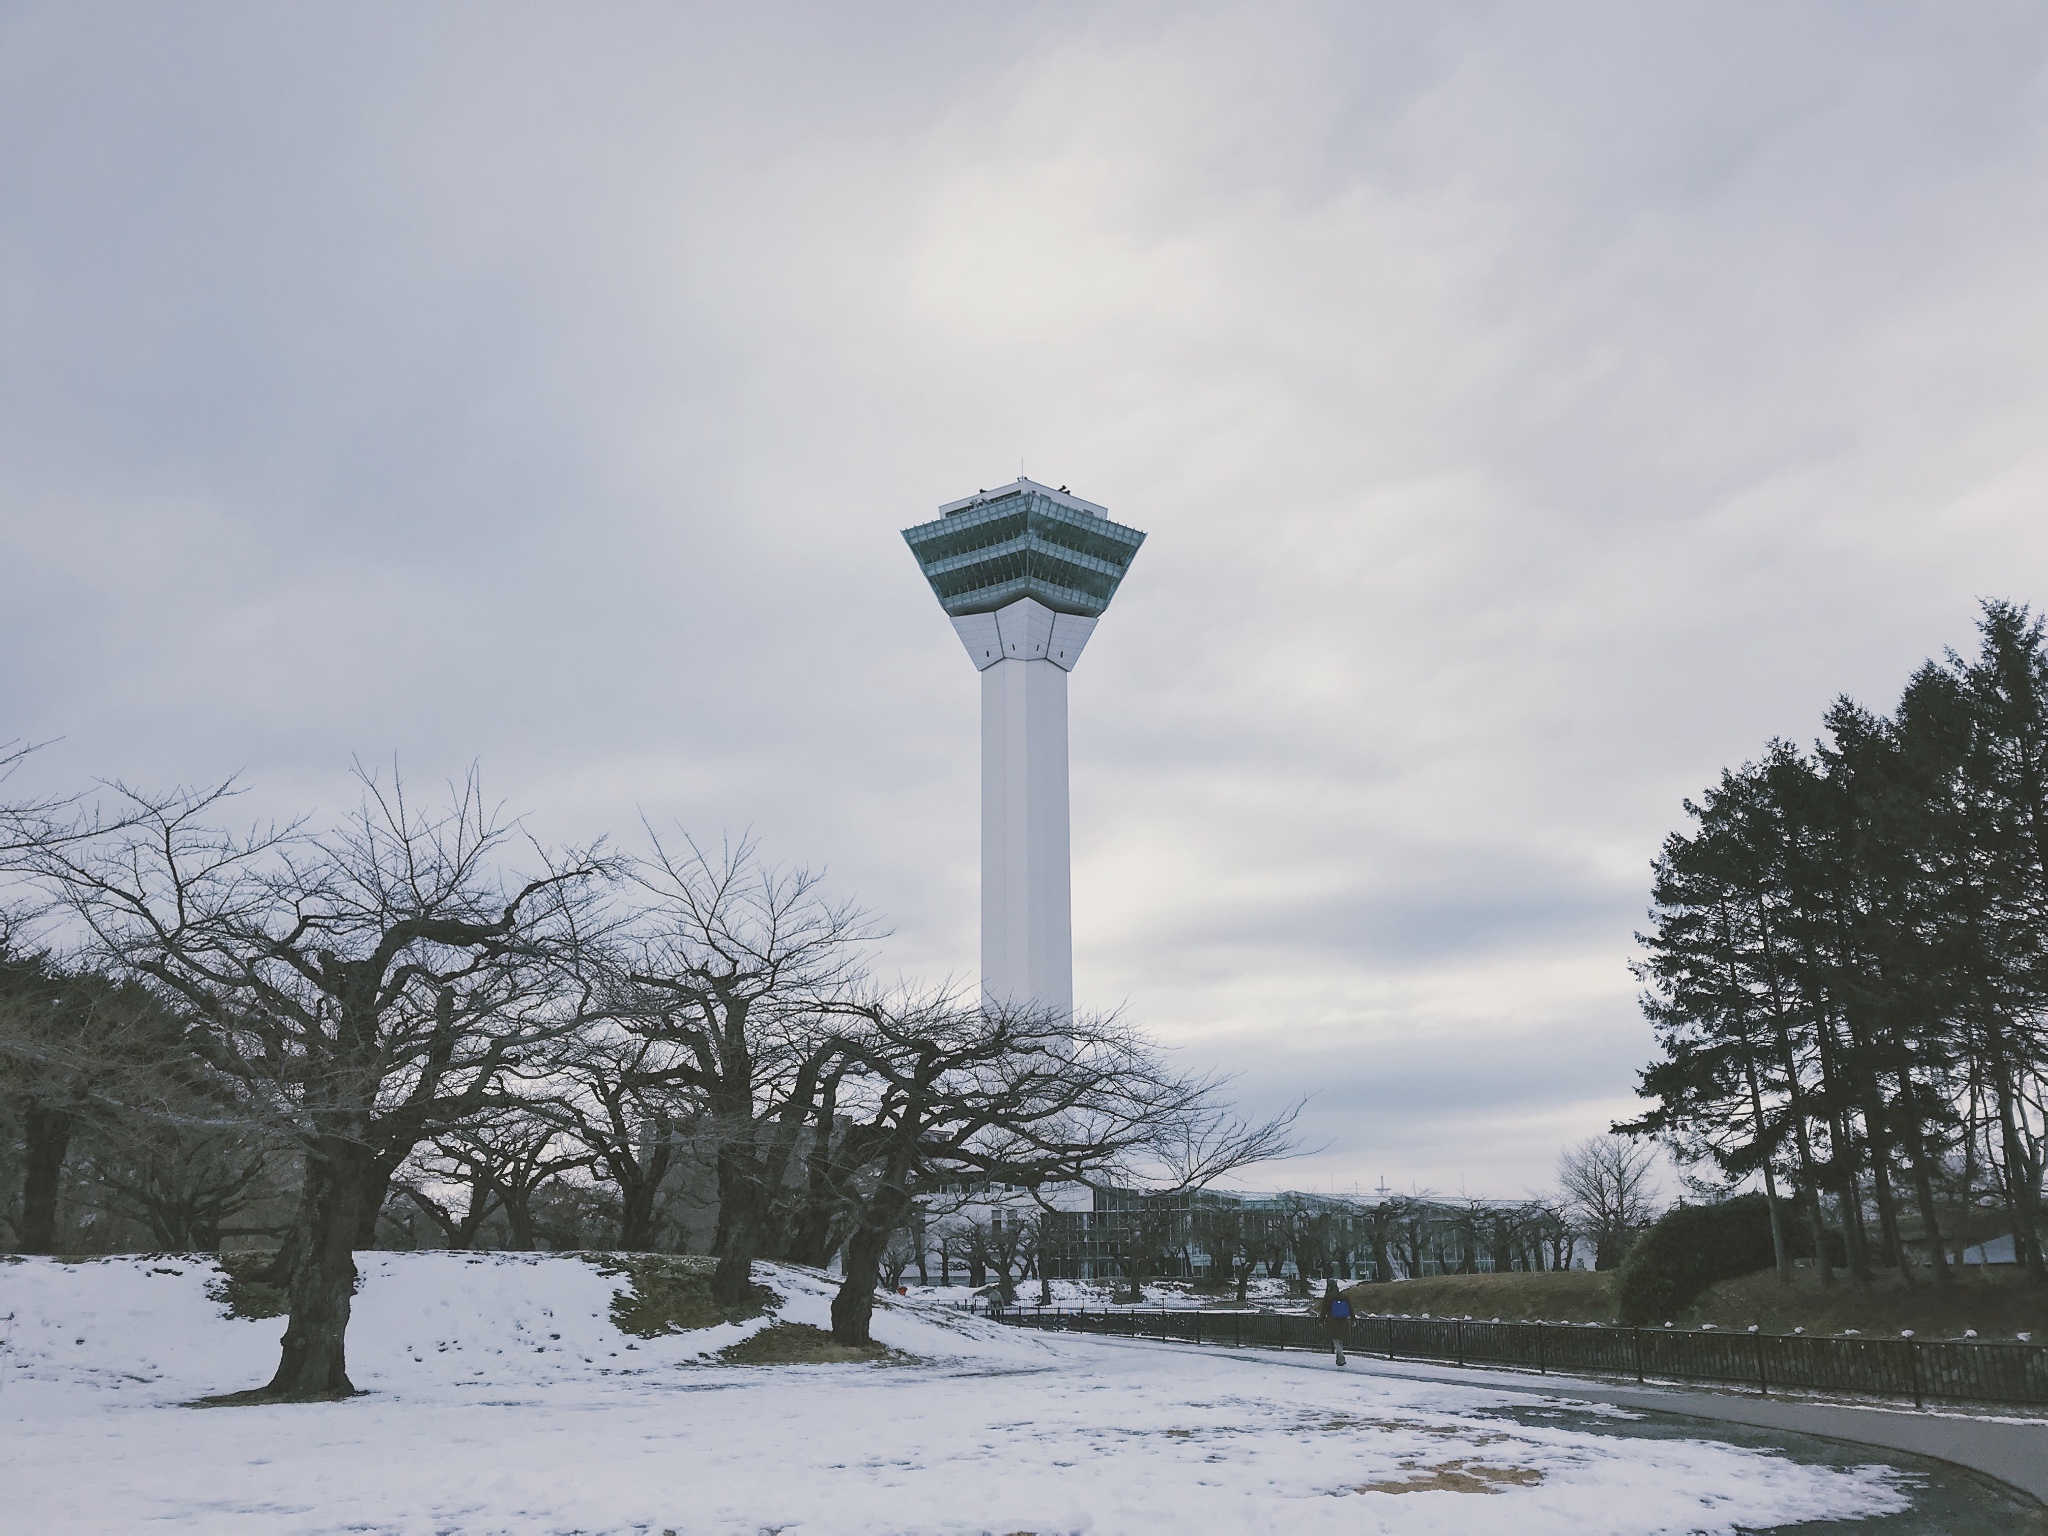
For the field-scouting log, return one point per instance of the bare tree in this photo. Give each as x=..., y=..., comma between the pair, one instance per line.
x=1412, y=1225
x=1308, y=1227
x=1553, y=1231
x=897, y=1257
x=1227, y=1233
x=740, y=967
x=183, y=1175
x=501, y=1160
x=952, y=1093
x=620, y=1099
x=367, y=988
x=949, y=1243
x=1141, y=1243
x=1609, y=1184
x=1009, y=1253
x=1379, y=1221
x=426, y=1179
x=1046, y=1237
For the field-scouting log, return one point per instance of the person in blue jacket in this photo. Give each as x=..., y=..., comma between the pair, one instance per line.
x=1336, y=1315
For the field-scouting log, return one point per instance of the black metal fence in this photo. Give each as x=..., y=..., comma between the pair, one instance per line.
x=1948, y=1370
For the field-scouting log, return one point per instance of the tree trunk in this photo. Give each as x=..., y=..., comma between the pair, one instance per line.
x=742, y=1223
x=377, y=1174
x=1781, y=1256
x=1816, y=1219
x=2022, y=1183
x=518, y=1208
x=1849, y=1204
x=1809, y=1171
x=636, y=1215
x=853, y=1306
x=1891, y=1246
x=48, y=1134
x=314, y=1360
x=1922, y=1168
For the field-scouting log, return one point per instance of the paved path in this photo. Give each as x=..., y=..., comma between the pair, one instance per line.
x=2012, y=1449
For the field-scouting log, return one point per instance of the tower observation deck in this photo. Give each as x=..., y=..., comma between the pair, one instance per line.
x=1024, y=572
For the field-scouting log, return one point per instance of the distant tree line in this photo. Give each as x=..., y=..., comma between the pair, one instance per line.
x=422, y=1028
x=1606, y=1197
x=1847, y=970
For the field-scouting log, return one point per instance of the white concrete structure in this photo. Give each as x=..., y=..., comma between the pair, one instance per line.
x=1025, y=572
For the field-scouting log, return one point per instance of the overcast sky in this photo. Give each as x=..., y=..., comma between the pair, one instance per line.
x=1532, y=408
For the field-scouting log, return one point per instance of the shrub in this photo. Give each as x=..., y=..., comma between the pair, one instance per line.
x=800, y=1344
x=1688, y=1249
x=671, y=1293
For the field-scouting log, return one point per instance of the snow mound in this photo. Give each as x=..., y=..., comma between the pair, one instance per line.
x=422, y=1322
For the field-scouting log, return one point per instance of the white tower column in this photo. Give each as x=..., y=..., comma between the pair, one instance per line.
x=1024, y=651
x=1027, y=904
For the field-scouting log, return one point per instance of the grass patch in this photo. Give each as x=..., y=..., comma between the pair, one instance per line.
x=243, y=1286
x=1998, y=1302
x=1455, y=1477
x=801, y=1344
x=1545, y=1296
x=671, y=1293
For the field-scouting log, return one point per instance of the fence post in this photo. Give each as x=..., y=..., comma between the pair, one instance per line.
x=1763, y=1380
x=1458, y=1332
x=1237, y=1330
x=1639, y=1356
x=1541, y=1368
x=1913, y=1354
x=1390, y=1338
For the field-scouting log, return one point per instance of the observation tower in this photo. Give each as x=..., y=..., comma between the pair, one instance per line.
x=1024, y=572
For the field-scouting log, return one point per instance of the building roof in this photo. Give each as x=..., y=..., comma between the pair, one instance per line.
x=1021, y=540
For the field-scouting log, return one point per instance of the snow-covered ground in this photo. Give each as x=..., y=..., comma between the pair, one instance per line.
x=500, y=1398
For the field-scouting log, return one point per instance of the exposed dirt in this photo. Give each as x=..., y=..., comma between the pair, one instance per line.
x=260, y=1397
x=1459, y=1476
x=801, y=1344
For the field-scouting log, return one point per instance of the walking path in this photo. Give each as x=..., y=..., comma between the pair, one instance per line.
x=2012, y=1449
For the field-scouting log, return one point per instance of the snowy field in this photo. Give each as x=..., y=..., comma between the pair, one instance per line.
x=500, y=1398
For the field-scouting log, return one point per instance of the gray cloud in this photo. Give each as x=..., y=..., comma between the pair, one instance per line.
x=1533, y=409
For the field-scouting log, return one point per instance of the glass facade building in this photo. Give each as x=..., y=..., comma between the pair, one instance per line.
x=986, y=551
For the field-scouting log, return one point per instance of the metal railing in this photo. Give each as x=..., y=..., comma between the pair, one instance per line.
x=1948, y=1370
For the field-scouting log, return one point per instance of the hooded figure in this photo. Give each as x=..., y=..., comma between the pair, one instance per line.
x=1335, y=1312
